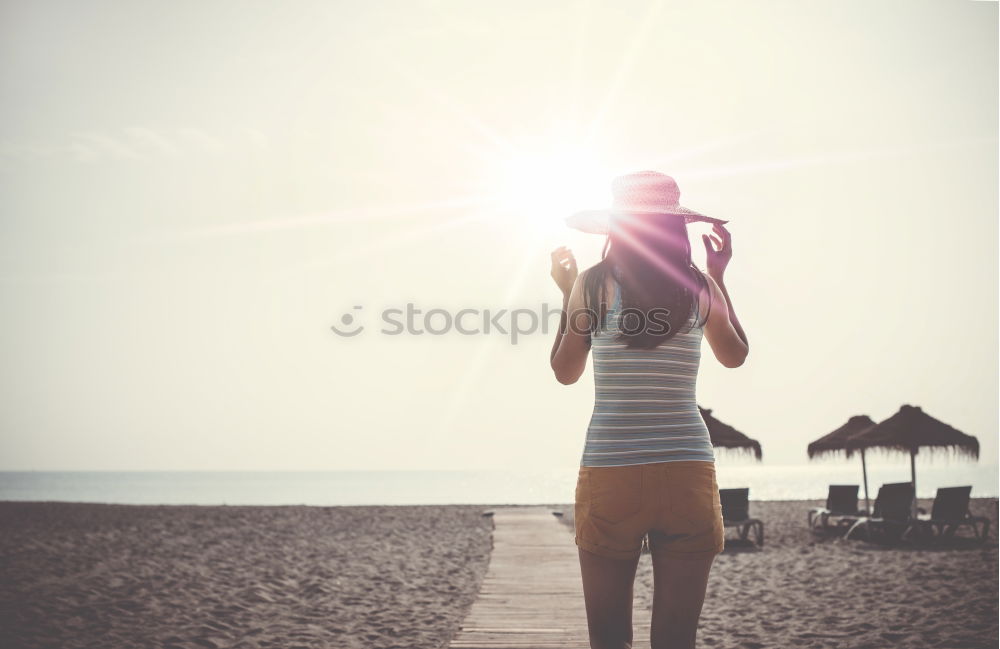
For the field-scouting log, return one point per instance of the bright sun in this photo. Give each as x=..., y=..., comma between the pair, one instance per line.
x=543, y=188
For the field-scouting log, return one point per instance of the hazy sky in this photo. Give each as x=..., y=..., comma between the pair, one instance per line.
x=192, y=193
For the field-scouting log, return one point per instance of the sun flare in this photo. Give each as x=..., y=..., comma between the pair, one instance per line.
x=544, y=187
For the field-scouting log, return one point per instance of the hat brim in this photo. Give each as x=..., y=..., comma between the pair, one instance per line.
x=599, y=221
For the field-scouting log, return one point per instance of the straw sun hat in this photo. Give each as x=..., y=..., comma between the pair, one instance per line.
x=645, y=192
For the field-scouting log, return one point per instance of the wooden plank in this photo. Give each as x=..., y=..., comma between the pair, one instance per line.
x=532, y=594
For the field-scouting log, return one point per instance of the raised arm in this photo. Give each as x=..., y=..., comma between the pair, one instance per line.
x=726, y=342
x=572, y=343
x=723, y=330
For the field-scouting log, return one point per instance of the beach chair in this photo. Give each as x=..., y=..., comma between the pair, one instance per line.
x=736, y=513
x=950, y=512
x=841, y=505
x=891, y=512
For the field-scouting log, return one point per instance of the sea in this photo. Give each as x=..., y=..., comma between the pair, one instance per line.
x=488, y=487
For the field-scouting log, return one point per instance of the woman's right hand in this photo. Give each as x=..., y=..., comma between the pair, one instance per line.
x=564, y=269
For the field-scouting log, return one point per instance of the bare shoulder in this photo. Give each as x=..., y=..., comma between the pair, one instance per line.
x=710, y=284
x=708, y=294
x=576, y=298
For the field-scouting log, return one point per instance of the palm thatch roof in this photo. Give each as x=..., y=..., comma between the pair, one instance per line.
x=725, y=436
x=836, y=442
x=911, y=429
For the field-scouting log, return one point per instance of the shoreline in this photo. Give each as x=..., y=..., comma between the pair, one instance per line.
x=923, y=502
x=443, y=487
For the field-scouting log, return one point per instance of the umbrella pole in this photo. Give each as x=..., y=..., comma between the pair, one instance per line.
x=913, y=480
x=864, y=473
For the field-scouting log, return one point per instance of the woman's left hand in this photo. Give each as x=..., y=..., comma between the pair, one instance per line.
x=717, y=256
x=564, y=269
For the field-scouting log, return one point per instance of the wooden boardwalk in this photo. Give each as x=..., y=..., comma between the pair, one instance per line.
x=532, y=594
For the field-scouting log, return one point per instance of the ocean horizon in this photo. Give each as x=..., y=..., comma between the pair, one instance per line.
x=424, y=487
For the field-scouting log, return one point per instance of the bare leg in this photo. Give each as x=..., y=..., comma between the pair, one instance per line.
x=607, y=591
x=678, y=593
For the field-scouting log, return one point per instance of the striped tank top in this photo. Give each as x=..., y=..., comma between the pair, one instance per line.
x=645, y=409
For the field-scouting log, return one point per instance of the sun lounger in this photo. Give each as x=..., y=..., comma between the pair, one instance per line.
x=950, y=512
x=736, y=513
x=841, y=506
x=891, y=513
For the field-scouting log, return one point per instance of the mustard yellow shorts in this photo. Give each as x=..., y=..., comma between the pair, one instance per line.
x=675, y=503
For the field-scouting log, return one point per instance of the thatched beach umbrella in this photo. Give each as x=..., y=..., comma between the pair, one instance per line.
x=726, y=436
x=908, y=431
x=836, y=442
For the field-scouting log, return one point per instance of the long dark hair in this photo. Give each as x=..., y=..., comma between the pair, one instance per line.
x=650, y=257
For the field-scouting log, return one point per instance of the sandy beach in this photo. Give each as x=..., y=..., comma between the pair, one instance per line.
x=81, y=575
x=813, y=591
